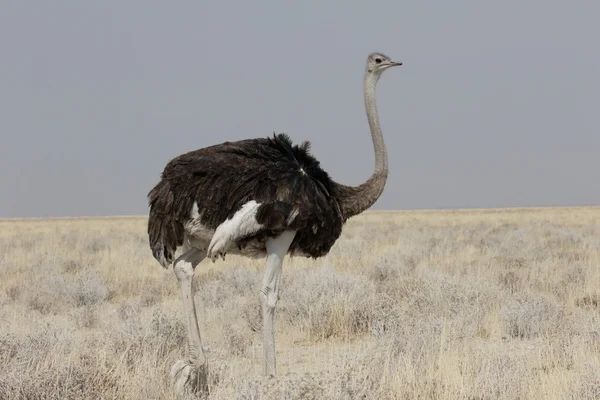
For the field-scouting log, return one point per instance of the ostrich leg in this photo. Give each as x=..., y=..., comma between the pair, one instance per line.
x=276, y=249
x=193, y=373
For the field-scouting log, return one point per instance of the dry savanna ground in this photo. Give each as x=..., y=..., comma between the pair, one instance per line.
x=497, y=304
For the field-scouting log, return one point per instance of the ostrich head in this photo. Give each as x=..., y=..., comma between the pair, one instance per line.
x=378, y=62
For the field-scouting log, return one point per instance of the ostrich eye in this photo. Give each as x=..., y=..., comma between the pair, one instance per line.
x=378, y=60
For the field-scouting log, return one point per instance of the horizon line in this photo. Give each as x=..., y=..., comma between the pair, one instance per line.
x=415, y=210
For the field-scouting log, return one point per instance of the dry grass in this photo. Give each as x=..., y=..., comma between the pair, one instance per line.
x=499, y=304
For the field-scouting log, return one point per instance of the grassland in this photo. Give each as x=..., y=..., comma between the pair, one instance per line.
x=496, y=304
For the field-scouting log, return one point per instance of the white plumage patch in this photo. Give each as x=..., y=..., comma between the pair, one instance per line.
x=194, y=214
x=243, y=223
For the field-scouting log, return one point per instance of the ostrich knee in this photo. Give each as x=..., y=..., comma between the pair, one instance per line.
x=268, y=298
x=183, y=271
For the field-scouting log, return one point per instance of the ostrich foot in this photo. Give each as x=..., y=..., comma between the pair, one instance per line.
x=189, y=379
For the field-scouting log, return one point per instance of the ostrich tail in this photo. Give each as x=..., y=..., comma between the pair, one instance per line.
x=165, y=233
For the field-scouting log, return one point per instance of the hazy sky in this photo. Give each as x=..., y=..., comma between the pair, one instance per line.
x=497, y=104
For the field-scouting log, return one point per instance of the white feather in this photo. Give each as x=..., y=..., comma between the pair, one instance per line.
x=292, y=216
x=243, y=223
x=194, y=214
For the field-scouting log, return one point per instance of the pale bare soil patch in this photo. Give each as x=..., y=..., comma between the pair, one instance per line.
x=498, y=304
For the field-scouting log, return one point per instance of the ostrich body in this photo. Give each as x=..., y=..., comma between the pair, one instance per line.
x=260, y=197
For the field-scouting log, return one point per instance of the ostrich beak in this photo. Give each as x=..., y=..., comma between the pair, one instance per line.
x=390, y=64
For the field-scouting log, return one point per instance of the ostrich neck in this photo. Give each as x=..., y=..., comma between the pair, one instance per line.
x=356, y=199
x=381, y=161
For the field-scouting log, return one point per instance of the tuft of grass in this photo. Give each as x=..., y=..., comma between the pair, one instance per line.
x=325, y=303
x=57, y=292
x=86, y=317
x=526, y=316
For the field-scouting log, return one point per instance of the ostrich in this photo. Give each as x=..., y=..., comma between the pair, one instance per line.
x=259, y=197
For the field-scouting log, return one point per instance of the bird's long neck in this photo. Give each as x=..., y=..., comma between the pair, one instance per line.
x=381, y=160
x=356, y=199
